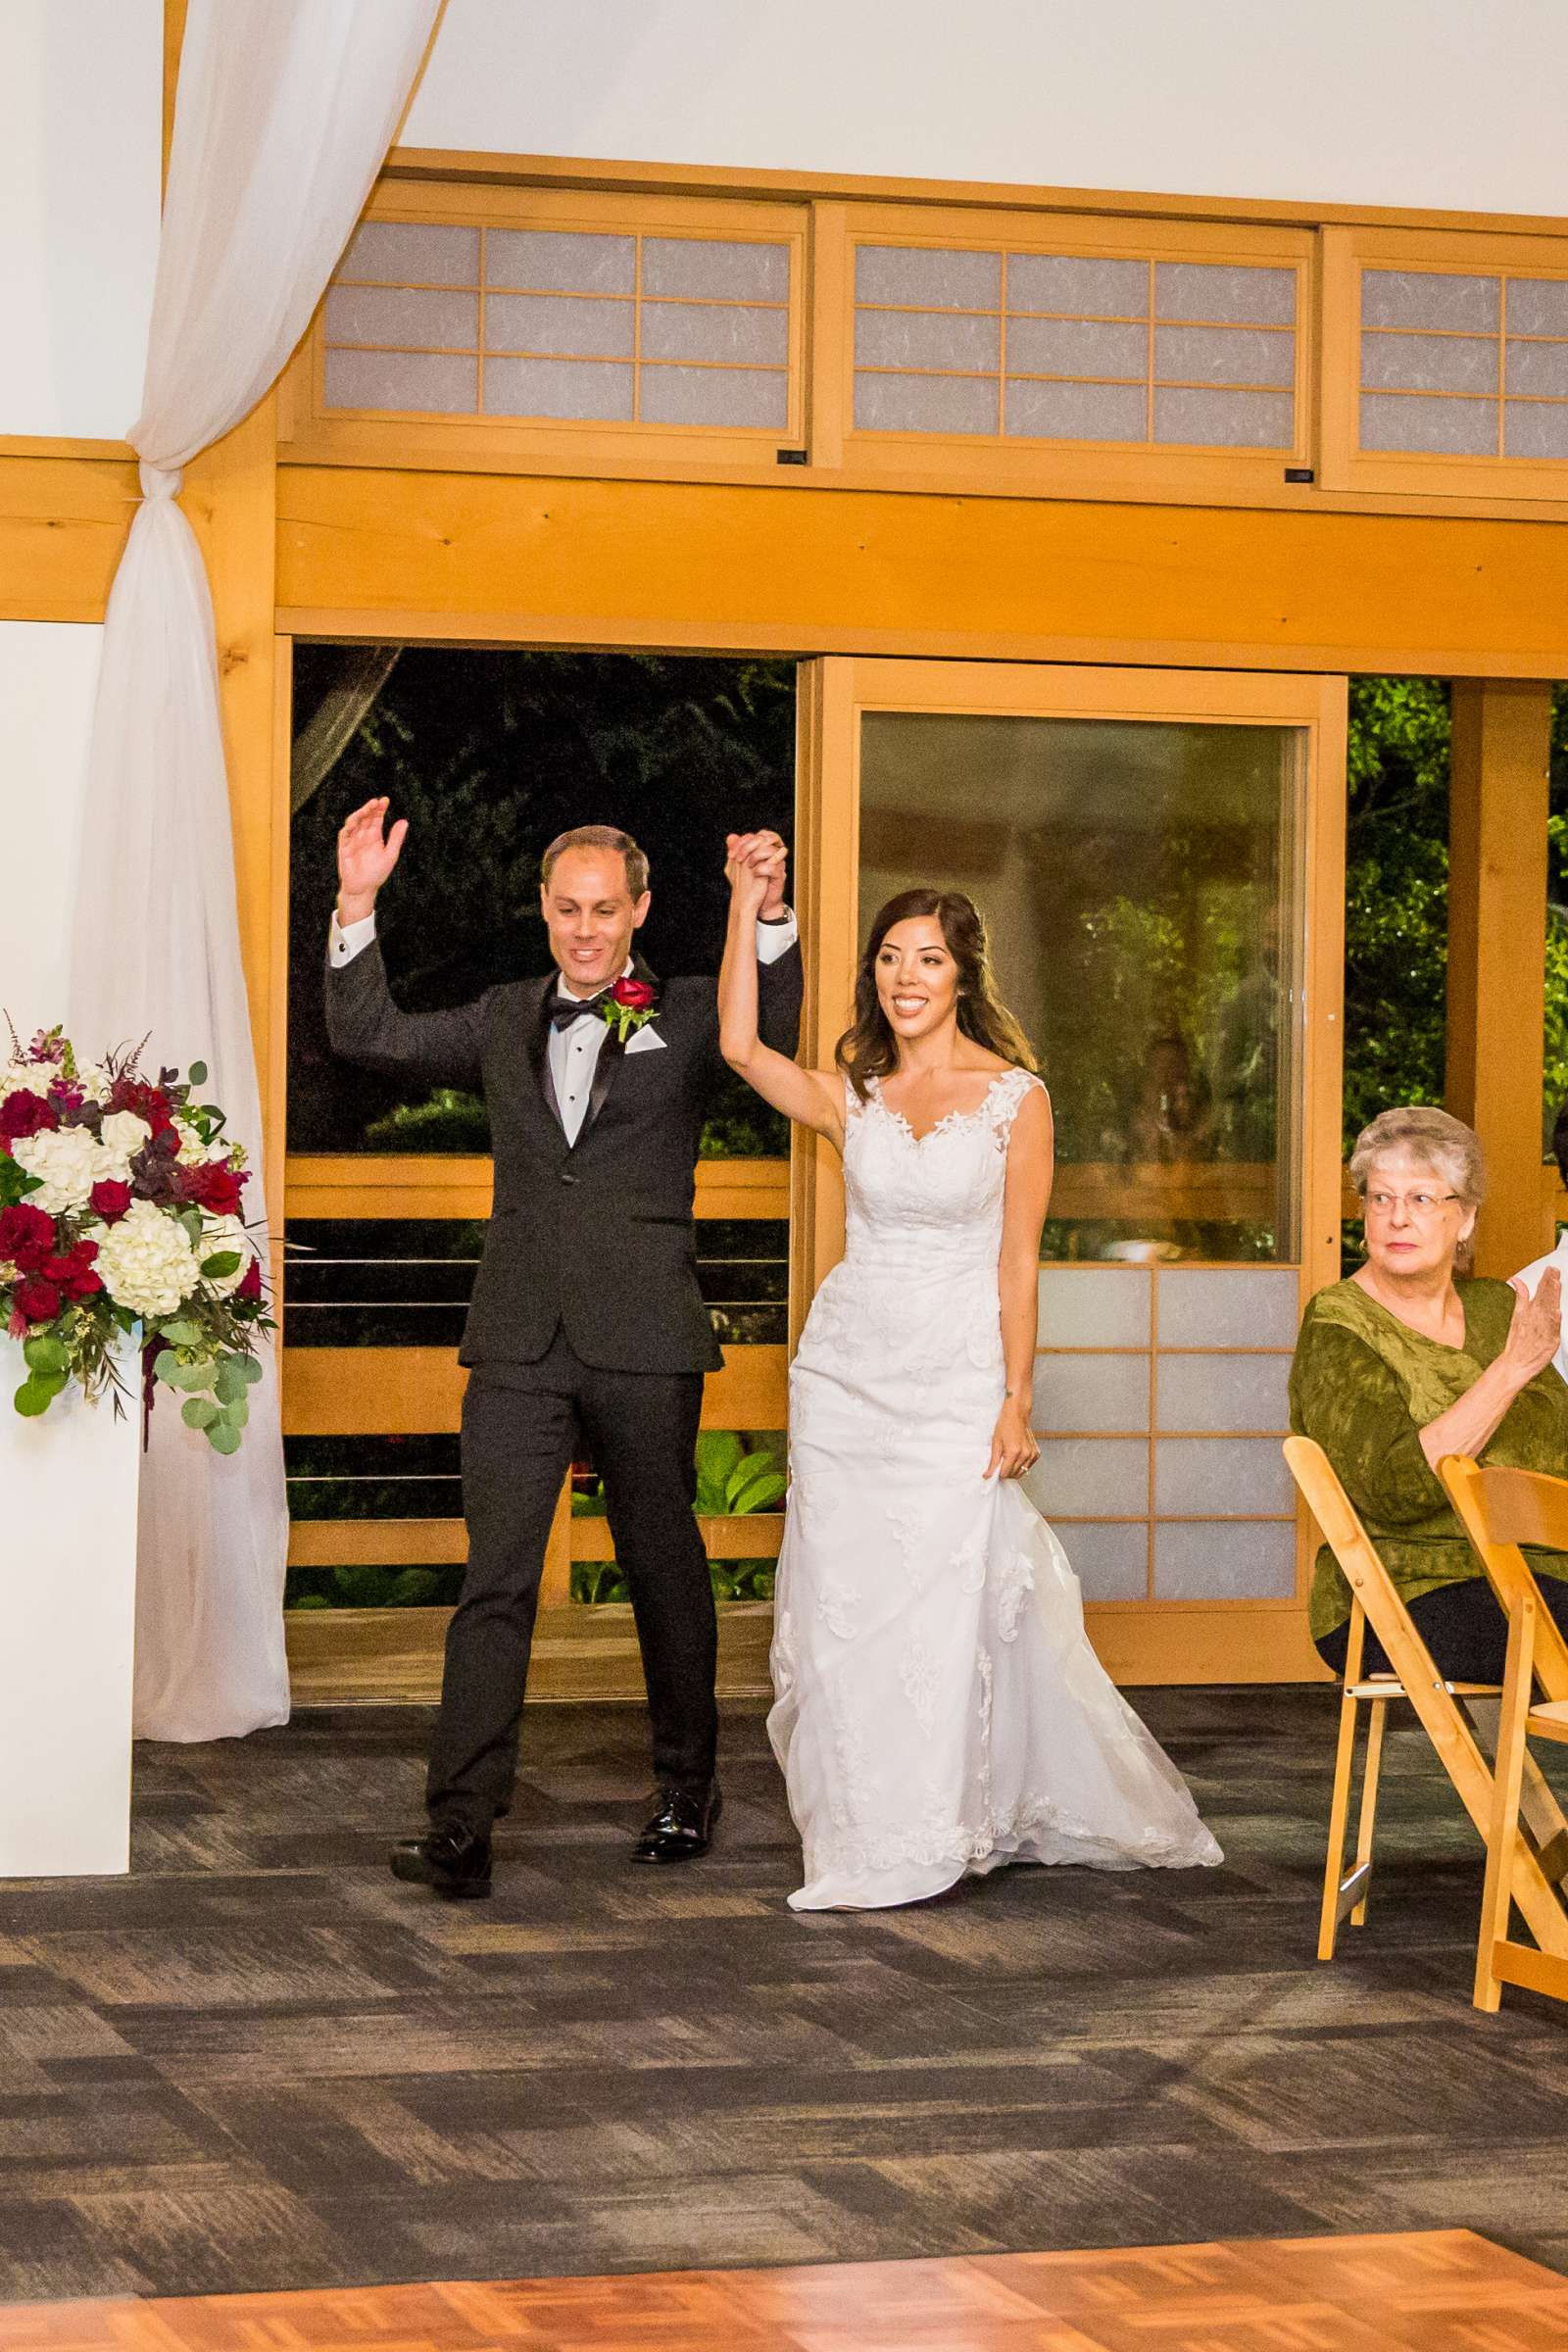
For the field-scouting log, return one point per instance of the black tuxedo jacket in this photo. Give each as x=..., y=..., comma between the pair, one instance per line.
x=597, y=1236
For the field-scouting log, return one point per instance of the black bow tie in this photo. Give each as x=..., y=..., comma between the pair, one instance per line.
x=563, y=1010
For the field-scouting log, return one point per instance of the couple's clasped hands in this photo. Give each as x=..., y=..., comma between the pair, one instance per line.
x=755, y=867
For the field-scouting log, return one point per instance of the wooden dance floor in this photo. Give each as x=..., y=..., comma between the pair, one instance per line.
x=1442, y=2291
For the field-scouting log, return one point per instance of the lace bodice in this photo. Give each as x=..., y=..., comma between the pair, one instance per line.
x=945, y=1188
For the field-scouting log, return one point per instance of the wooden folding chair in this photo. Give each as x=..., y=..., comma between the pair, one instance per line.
x=1500, y=1510
x=1414, y=1678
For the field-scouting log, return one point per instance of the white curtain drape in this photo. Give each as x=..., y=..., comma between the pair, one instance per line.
x=283, y=116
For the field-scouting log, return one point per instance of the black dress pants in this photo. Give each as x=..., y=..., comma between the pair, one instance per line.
x=522, y=1426
x=1461, y=1625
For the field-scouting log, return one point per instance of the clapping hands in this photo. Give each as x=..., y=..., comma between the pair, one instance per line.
x=1534, y=1334
x=755, y=867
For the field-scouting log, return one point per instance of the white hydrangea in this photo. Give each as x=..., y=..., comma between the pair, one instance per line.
x=146, y=1260
x=32, y=1077
x=95, y=1081
x=219, y=1235
x=69, y=1163
x=192, y=1151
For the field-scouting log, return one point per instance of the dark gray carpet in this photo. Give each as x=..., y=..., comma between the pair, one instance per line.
x=259, y=2063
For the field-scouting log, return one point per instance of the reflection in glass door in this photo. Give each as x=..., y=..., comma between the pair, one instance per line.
x=1158, y=873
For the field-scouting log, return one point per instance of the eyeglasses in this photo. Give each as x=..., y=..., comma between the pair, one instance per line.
x=1421, y=1208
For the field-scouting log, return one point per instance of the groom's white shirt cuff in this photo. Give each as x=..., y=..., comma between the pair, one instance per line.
x=345, y=940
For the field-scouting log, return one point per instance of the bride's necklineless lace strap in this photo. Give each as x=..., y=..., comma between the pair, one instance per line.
x=996, y=1108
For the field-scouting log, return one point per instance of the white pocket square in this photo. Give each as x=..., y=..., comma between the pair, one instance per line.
x=645, y=1041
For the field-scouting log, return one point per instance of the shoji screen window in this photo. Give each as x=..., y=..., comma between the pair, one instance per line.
x=1044, y=351
x=513, y=325
x=1446, y=363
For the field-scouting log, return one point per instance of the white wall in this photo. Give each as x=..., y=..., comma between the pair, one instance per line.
x=48, y=676
x=80, y=148
x=1452, y=102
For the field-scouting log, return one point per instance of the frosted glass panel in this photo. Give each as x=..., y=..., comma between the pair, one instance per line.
x=716, y=331
x=925, y=403
x=1538, y=368
x=1225, y=420
x=389, y=316
x=1077, y=412
x=1217, y=1477
x=1536, y=429
x=1077, y=287
x=590, y=390
x=718, y=271
x=1246, y=296
x=1430, y=298
x=934, y=280
x=1073, y=1392
x=1110, y=1562
x=403, y=253
x=1430, y=362
x=1224, y=1309
x=1076, y=347
x=1223, y=354
x=927, y=339
x=1093, y=1308
x=1538, y=305
x=402, y=379
x=1451, y=428
x=1225, y=1560
x=559, y=262
x=559, y=325
x=732, y=396
x=1091, y=1478
x=1222, y=1392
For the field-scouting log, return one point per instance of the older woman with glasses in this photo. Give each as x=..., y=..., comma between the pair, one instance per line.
x=1409, y=1360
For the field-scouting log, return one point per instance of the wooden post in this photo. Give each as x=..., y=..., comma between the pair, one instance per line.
x=1498, y=952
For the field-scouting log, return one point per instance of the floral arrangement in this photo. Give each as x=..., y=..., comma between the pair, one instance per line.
x=120, y=1204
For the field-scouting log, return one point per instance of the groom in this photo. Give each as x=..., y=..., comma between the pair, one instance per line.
x=586, y=1322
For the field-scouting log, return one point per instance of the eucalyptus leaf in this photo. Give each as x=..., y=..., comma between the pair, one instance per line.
x=34, y=1397
x=182, y=1334
x=224, y=1438
x=191, y=1376
x=198, y=1412
x=166, y=1363
x=198, y=1073
x=250, y=1368
x=45, y=1355
x=236, y=1413
x=230, y=1381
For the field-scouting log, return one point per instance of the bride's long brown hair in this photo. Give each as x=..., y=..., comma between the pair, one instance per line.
x=868, y=1048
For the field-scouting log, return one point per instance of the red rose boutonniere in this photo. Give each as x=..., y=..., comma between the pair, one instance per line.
x=629, y=1005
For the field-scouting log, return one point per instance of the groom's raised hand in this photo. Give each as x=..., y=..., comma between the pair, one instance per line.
x=766, y=855
x=365, y=858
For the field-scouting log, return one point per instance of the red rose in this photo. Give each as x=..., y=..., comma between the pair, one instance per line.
x=248, y=1285
x=635, y=994
x=25, y=1114
x=212, y=1185
x=109, y=1199
x=36, y=1299
x=27, y=1236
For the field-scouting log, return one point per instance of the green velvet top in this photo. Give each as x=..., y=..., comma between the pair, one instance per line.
x=1364, y=1384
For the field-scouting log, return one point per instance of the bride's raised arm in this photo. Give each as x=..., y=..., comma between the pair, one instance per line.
x=812, y=1098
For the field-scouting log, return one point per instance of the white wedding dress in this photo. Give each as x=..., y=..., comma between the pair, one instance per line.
x=939, y=1708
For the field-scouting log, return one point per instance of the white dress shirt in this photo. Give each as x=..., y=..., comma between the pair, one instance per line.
x=1530, y=1277
x=575, y=1049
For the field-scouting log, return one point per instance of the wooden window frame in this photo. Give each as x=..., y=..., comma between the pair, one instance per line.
x=311, y=433
x=1433, y=478
x=1116, y=468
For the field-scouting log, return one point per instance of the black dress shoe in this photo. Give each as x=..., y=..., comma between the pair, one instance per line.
x=451, y=1859
x=682, y=1827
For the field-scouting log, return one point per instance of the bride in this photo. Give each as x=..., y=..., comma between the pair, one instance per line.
x=939, y=1708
